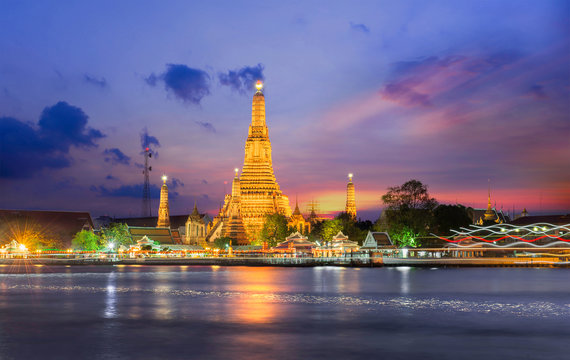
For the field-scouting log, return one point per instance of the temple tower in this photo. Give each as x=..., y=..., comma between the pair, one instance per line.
x=234, y=227
x=260, y=193
x=298, y=221
x=195, y=228
x=163, y=212
x=255, y=193
x=350, y=208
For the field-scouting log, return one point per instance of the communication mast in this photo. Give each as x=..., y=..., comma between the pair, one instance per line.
x=146, y=206
x=313, y=206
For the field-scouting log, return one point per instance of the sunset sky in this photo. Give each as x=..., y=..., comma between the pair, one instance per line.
x=451, y=93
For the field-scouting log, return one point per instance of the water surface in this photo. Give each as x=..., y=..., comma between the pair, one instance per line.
x=211, y=312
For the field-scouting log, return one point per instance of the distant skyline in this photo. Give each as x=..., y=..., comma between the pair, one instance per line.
x=449, y=93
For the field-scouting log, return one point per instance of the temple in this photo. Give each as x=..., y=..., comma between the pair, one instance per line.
x=255, y=192
x=163, y=211
x=298, y=221
x=195, y=228
x=490, y=217
x=350, y=208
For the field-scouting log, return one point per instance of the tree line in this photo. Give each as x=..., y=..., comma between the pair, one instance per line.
x=409, y=214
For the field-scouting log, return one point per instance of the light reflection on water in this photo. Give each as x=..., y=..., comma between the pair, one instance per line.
x=230, y=312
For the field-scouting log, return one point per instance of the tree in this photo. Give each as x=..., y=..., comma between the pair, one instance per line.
x=86, y=240
x=316, y=231
x=222, y=242
x=274, y=229
x=409, y=208
x=447, y=217
x=331, y=228
x=355, y=230
x=118, y=234
x=405, y=237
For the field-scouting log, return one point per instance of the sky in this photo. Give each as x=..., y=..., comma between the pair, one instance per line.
x=455, y=94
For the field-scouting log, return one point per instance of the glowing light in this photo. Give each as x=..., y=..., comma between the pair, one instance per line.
x=259, y=85
x=470, y=233
x=111, y=246
x=350, y=176
x=236, y=170
x=164, y=178
x=22, y=247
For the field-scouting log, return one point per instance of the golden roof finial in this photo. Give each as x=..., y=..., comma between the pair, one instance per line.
x=259, y=85
x=164, y=178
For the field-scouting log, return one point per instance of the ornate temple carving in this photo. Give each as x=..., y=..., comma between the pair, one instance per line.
x=195, y=227
x=255, y=192
x=350, y=208
x=163, y=211
x=299, y=222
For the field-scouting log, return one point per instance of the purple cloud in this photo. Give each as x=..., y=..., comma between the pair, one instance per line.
x=207, y=126
x=93, y=80
x=116, y=156
x=187, y=84
x=537, y=91
x=242, y=80
x=360, y=28
x=26, y=150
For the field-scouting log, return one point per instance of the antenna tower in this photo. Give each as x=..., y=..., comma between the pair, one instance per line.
x=146, y=206
x=313, y=205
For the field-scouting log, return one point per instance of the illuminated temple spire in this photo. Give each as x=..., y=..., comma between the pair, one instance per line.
x=163, y=212
x=489, y=214
x=260, y=193
x=296, y=211
x=255, y=192
x=350, y=208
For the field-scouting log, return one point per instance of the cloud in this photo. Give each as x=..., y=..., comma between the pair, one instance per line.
x=176, y=183
x=417, y=82
x=26, y=150
x=204, y=181
x=242, y=80
x=360, y=28
x=537, y=91
x=63, y=125
x=150, y=142
x=187, y=84
x=207, y=126
x=400, y=92
x=116, y=156
x=110, y=177
x=129, y=191
x=99, y=82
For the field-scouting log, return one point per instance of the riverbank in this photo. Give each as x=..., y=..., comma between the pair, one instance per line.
x=300, y=262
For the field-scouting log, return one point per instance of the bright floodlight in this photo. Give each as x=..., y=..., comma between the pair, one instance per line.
x=350, y=176
x=164, y=178
x=22, y=247
x=111, y=246
x=258, y=85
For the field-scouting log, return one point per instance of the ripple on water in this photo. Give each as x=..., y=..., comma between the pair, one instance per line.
x=531, y=309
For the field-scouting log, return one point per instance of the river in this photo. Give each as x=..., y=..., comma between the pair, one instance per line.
x=211, y=312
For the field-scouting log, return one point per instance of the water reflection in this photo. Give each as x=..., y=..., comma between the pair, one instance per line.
x=111, y=296
x=220, y=313
x=404, y=279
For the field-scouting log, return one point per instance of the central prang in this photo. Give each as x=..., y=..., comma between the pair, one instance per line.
x=255, y=193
